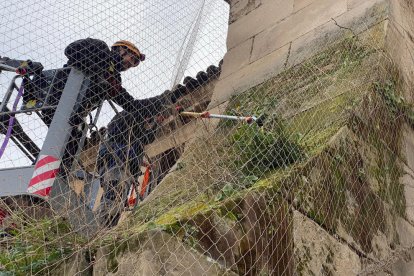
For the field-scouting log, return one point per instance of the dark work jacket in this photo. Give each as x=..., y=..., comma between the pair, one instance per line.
x=130, y=128
x=127, y=135
x=94, y=58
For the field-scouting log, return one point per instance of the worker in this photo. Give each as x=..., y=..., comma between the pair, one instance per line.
x=103, y=66
x=120, y=158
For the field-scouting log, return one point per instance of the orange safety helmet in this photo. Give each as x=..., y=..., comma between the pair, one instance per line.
x=131, y=47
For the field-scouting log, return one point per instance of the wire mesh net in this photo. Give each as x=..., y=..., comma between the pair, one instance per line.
x=131, y=176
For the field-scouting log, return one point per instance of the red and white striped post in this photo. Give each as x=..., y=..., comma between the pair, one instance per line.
x=45, y=172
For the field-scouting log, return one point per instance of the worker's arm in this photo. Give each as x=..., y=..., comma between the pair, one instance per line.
x=145, y=107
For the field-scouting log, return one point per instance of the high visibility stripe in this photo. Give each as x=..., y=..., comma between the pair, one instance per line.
x=132, y=196
x=43, y=189
x=46, y=170
x=42, y=177
x=43, y=192
x=45, y=159
x=145, y=181
x=47, y=167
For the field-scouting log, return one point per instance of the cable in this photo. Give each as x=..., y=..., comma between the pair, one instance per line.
x=12, y=119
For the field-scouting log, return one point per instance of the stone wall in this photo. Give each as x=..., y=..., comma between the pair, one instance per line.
x=265, y=37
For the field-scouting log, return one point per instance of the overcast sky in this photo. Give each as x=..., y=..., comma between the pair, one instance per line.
x=41, y=29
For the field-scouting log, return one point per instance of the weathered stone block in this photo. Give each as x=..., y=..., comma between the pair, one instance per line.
x=408, y=146
x=401, y=41
x=77, y=264
x=257, y=20
x=249, y=76
x=251, y=235
x=402, y=13
x=344, y=190
x=404, y=265
x=296, y=25
x=352, y=4
x=400, y=45
x=236, y=58
x=316, y=252
x=408, y=181
x=240, y=8
x=153, y=253
x=358, y=20
x=405, y=232
x=300, y=4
